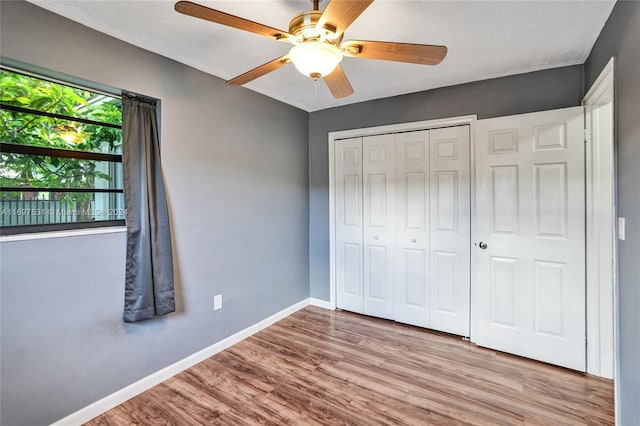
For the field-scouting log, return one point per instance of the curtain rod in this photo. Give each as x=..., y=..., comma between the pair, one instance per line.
x=139, y=97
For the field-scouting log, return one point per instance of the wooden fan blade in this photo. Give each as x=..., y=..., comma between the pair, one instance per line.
x=208, y=14
x=424, y=54
x=338, y=83
x=339, y=14
x=259, y=71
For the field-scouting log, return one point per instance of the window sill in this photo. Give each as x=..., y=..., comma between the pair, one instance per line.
x=62, y=234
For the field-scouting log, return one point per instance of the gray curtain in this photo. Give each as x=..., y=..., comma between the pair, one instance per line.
x=149, y=269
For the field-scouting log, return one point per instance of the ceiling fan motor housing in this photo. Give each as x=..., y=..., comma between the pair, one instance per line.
x=304, y=27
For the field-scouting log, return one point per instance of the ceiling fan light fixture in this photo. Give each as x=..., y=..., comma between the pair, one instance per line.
x=315, y=59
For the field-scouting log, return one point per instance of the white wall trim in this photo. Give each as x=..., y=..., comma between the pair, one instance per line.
x=602, y=83
x=332, y=222
x=402, y=127
x=601, y=224
x=324, y=304
x=62, y=234
x=469, y=120
x=110, y=401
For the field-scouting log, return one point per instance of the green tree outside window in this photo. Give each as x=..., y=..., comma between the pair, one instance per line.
x=21, y=126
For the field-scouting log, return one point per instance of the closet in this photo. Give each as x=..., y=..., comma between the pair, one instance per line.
x=402, y=227
x=403, y=209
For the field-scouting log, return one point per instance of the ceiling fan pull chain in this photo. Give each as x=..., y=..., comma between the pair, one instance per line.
x=315, y=89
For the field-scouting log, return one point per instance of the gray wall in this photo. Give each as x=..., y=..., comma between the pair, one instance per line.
x=236, y=169
x=621, y=38
x=543, y=90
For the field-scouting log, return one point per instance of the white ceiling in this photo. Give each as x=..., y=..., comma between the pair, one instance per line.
x=485, y=39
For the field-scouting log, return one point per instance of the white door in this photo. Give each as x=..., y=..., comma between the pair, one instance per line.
x=450, y=238
x=348, y=224
x=378, y=196
x=529, y=263
x=402, y=213
x=412, y=228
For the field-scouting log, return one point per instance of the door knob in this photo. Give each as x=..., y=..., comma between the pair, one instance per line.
x=483, y=245
x=376, y=237
x=413, y=240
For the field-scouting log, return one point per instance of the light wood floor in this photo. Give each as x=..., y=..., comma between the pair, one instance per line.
x=321, y=367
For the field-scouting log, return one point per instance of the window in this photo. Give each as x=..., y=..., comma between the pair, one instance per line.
x=60, y=156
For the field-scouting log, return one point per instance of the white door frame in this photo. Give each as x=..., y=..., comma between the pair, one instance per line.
x=601, y=243
x=379, y=130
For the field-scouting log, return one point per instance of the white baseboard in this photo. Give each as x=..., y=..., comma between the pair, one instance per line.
x=110, y=401
x=324, y=304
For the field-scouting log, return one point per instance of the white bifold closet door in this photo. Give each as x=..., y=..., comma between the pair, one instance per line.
x=378, y=197
x=412, y=304
x=450, y=223
x=529, y=270
x=349, y=224
x=414, y=226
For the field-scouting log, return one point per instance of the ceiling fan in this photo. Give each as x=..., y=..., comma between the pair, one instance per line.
x=317, y=42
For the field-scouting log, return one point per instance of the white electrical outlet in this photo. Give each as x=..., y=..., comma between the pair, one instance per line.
x=217, y=302
x=621, y=230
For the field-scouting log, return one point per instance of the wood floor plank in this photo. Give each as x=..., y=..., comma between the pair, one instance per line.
x=320, y=367
x=395, y=388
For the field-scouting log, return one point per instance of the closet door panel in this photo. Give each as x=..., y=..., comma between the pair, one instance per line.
x=349, y=224
x=412, y=228
x=402, y=227
x=449, y=189
x=378, y=198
